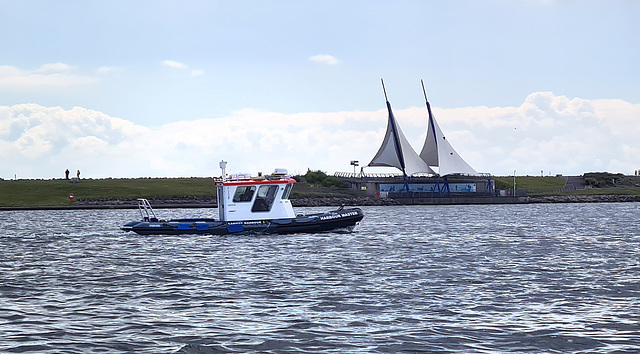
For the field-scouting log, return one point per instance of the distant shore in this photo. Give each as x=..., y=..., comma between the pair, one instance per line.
x=114, y=193
x=604, y=198
x=320, y=201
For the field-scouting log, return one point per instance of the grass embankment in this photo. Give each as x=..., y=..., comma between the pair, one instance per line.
x=529, y=183
x=34, y=193
x=23, y=193
x=597, y=183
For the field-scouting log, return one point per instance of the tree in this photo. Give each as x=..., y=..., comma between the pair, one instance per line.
x=314, y=177
x=332, y=181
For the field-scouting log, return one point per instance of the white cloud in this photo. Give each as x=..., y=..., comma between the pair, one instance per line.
x=105, y=70
x=551, y=133
x=56, y=75
x=174, y=64
x=324, y=59
x=54, y=68
x=181, y=66
x=547, y=132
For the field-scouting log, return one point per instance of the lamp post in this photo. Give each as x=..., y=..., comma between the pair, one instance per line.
x=354, y=163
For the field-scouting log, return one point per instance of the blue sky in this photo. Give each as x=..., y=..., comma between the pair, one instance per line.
x=155, y=67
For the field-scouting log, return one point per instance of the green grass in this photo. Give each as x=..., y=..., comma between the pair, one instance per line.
x=626, y=185
x=304, y=189
x=34, y=193
x=529, y=183
x=28, y=193
x=16, y=193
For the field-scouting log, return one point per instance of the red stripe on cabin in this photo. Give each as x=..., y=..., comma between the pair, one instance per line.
x=245, y=182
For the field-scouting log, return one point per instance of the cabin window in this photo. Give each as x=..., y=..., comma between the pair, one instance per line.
x=287, y=191
x=244, y=194
x=265, y=198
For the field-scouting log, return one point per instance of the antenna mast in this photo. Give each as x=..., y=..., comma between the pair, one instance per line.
x=384, y=90
x=424, y=91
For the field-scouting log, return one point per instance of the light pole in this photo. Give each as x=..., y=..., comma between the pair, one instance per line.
x=354, y=163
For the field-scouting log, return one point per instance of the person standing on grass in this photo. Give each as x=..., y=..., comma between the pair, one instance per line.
x=78, y=174
x=66, y=174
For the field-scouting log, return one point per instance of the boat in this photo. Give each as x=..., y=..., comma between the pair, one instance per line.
x=258, y=205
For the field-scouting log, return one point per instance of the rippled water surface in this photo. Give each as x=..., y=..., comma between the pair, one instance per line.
x=501, y=278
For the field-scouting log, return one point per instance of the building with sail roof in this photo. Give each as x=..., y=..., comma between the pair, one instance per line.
x=396, y=151
x=437, y=150
x=418, y=178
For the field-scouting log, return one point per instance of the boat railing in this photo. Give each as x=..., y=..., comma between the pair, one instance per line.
x=146, y=211
x=247, y=177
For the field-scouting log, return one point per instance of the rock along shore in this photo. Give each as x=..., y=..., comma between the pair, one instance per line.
x=605, y=198
x=210, y=202
x=202, y=202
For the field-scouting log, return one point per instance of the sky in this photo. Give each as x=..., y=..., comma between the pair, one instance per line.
x=171, y=88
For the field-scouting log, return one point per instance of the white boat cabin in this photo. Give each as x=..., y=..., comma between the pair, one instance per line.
x=245, y=198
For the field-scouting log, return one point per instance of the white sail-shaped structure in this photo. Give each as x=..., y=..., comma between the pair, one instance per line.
x=438, y=152
x=396, y=151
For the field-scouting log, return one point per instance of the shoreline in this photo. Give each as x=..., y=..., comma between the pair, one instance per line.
x=208, y=202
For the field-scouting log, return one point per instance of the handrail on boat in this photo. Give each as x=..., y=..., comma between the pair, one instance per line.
x=146, y=211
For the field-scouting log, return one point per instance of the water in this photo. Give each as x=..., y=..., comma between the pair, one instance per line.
x=488, y=278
